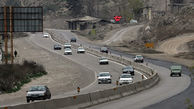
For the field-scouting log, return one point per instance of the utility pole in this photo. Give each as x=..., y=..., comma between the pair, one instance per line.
x=166, y=5
x=11, y=34
x=5, y=35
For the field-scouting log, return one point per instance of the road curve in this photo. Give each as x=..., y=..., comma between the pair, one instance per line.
x=166, y=88
x=88, y=61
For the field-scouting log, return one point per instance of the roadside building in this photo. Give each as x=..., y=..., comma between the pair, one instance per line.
x=83, y=23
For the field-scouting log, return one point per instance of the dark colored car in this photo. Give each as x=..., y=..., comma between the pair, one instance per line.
x=176, y=70
x=40, y=92
x=104, y=49
x=128, y=69
x=73, y=40
x=57, y=47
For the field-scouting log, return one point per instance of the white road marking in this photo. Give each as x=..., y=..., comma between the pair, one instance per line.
x=92, y=69
x=121, y=65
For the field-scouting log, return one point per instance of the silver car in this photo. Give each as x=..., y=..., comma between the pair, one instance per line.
x=104, y=77
x=103, y=60
x=68, y=51
x=139, y=58
x=125, y=79
x=80, y=50
x=67, y=45
x=45, y=35
x=40, y=92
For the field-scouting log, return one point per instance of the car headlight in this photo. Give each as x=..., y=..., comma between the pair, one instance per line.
x=130, y=81
x=28, y=94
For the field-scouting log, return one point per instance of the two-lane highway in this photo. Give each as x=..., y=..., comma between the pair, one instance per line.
x=88, y=61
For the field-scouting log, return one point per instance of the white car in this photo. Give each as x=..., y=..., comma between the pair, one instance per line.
x=125, y=79
x=67, y=45
x=138, y=58
x=45, y=36
x=103, y=60
x=104, y=77
x=80, y=50
x=68, y=51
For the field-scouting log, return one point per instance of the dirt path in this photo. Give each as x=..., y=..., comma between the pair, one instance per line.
x=176, y=45
x=129, y=33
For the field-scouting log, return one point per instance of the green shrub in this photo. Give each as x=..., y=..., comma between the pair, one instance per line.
x=14, y=76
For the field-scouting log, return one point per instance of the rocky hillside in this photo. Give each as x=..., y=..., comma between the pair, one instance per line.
x=169, y=26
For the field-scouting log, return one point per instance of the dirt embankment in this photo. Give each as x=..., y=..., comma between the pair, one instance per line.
x=171, y=33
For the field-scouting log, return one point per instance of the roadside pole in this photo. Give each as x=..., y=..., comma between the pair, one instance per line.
x=5, y=34
x=11, y=34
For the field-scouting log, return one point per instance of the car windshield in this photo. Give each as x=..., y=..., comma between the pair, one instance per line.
x=57, y=45
x=125, y=76
x=139, y=56
x=80, y=48
x=103, y=48
x=128, y=67
x=102, y=58
x=68, y=49
x=104, y=74
x=67, y=44
x=176, y=70
x=37, y=88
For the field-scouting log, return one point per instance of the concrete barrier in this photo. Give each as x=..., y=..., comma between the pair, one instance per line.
x=86, y=100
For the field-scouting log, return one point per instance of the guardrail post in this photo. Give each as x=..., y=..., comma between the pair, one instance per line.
x=142, y=77
x=117, y=83
x=78, y=90
x=152, y=72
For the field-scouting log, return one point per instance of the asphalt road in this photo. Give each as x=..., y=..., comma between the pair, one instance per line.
x=88, y=61
x=163, y=94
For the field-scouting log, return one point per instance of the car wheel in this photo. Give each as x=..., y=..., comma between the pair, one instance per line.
x=28, y=100
x=49, y=96
x=171, y=75
x=179, y=74
x=99, y=83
